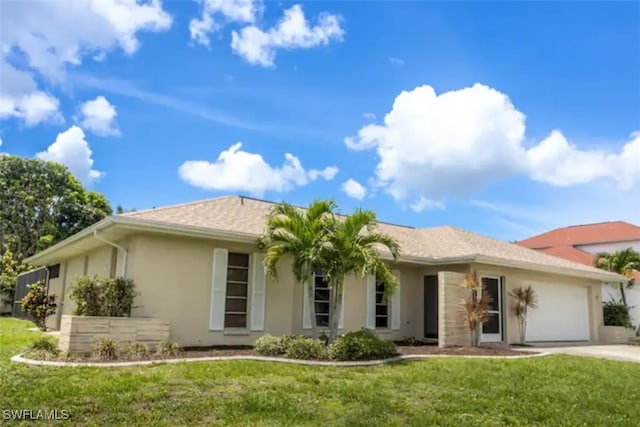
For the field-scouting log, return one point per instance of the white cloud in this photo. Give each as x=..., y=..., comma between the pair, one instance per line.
x=432, y=146
x=237, y=170
x=369, y=116
x=354, y=189
x=259, y=47
x=98, y=116
x=398, y=62
x=327, y=173
x=72, y=150
x=423, y=204
x=51, y=35
x=217, y=13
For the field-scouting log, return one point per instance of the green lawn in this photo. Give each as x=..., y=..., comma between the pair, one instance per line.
x=558, y=390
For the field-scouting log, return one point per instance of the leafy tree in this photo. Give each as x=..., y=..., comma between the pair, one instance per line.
x=298, y=234
x=622, y=262
x=41, y=203
x=353, y=245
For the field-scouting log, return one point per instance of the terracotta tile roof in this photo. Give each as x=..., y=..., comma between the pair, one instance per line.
x=570, y=253
x=614, y=231
x=248, y=215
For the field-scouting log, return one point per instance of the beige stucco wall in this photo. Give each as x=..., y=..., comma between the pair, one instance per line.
x=520, y=278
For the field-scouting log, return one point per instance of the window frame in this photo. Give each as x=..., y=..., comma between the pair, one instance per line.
x=316, y=275
x=246, y=298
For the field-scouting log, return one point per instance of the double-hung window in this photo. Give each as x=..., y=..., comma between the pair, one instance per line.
x=321, y=294
x=382, y=307
x=235, y=312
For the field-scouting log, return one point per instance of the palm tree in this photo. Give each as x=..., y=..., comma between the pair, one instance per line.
x=299, y=234
x=622, y=262
x=525, y=299
x=353, y=245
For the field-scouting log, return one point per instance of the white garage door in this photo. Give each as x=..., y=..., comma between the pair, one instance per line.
x=562, y=313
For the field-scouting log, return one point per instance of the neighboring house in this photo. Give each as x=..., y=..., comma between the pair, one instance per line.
x=579, y=243
x=197, y=266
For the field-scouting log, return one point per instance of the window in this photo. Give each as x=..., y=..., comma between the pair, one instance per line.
x=235, y=312
x=321, y=303
x=382, y=307
x=54, y=271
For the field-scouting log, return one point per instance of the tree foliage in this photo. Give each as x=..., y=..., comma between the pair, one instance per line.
x=10, y=268
x=475, y=306
x=524, y=299
x=622, y=262
x=316, y=239
x=42, y=203
x=38, y=304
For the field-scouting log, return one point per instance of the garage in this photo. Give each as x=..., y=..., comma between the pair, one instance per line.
x=562, y=313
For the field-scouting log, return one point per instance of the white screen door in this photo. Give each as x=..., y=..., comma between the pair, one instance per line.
x=492, y=328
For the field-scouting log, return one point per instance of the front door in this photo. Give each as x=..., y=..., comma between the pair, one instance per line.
x=492, y=328
x=431, y=306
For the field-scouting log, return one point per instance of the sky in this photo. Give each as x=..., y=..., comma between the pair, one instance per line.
x=506, y=118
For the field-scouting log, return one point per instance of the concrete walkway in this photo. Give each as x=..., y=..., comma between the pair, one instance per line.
x=627, y=353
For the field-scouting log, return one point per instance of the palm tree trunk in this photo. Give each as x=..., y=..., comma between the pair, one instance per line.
x=312, y=309
x=622, y=294
x=336, y=308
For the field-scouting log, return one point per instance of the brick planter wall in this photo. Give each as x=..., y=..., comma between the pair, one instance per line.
x=452, y=329
x=79, y=333
x=617, y=335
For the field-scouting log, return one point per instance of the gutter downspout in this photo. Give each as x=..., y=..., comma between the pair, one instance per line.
x=125, y=252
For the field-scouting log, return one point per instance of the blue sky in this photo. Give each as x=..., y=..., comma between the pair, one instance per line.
x=503, y=118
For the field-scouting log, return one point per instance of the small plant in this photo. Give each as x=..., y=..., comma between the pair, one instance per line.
x=525, y=299
x=38, y=304
x=106, y=349
x=475, y=306
x=103, y=297
x=169, y=349
x=42, y=348
x=616, y=313
x=137, y=351
x=268, y=345
x=306, y=349
x=361, y=345
x=86, y=293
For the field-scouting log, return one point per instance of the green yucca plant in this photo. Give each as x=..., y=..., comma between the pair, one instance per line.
x=524, y=299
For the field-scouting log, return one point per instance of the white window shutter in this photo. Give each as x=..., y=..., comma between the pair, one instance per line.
x=395, y=302
x=306, y=315
x=341, y=320
x=218, y=289
x=258, y=289
x=371, y=301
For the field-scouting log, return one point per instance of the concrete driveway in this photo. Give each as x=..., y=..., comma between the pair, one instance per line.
x=627, y=353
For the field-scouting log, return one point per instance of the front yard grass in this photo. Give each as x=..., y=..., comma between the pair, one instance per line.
x=555, y=390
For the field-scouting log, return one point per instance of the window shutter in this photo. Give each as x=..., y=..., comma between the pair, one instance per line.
x=395, y=303
x=371, y=301
x=306, y=315
x=258, y=293
x=218, y=289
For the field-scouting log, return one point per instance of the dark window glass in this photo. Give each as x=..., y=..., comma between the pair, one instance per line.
x=492, y=287
x=382, y=307
x=237, y=291
x=322, y=320
x=235, y=320
x=321, y=294
x=238, y=260
x=54, y=271
x=491, y=326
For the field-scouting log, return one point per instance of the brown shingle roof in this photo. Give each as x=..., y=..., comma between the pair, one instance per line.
x=614, y=231
x=248, y=215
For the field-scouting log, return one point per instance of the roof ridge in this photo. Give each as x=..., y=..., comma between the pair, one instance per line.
x=179, y=205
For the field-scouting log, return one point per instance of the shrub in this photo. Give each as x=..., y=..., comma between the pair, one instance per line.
x=305, y=348
x=361, y=345
x=169, y=349
x=136, y=352
x=268, y=345
x=106, y=349
x=42, y=348
x=616, y=314
x=38, y=304
x=103, y=297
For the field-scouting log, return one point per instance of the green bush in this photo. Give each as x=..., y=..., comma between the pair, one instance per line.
x=361, y=345
x=42, y=348
x=269, y=345
x=305, y=348
x=106, y=349
x=136, y=352
x=616, y=314
x=169, y=349
x=38, y=304
x=103, y=297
